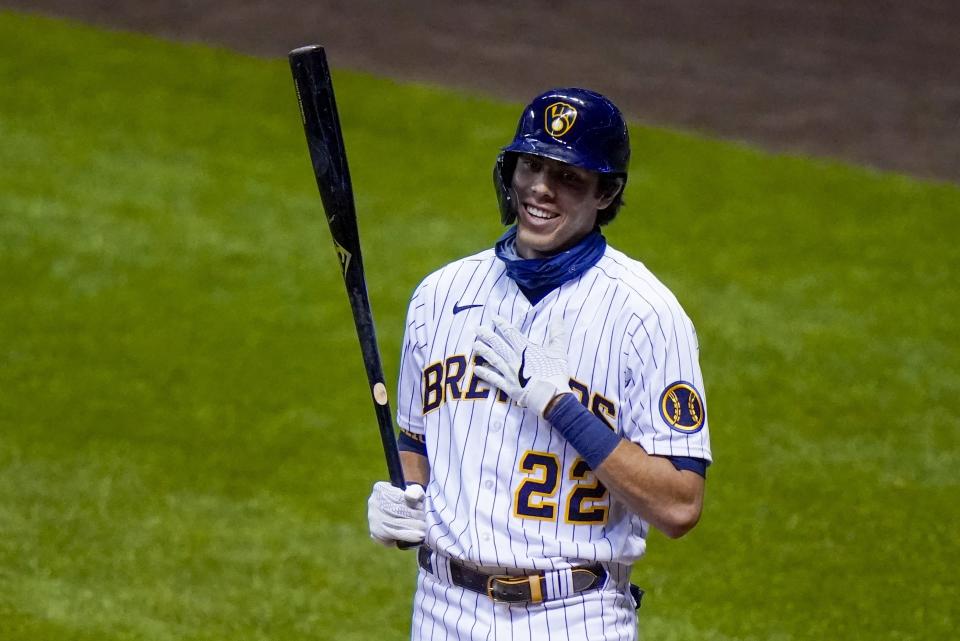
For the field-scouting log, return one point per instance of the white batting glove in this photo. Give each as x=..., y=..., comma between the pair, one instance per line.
x=531, y=374
x=396, y=515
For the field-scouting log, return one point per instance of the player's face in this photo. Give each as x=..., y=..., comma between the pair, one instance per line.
x=557, y=205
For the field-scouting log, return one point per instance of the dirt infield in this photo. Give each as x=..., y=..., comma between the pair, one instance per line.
x=875, y=82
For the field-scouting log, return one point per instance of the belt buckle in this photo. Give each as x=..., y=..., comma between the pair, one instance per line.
x=536, y=594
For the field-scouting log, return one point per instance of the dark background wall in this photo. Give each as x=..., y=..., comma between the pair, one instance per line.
x=874, y=82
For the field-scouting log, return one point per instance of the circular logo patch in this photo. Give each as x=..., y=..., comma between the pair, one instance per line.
x=559, y=118
x=682, y=408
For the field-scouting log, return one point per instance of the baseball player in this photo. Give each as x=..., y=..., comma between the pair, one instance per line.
x=550, y=402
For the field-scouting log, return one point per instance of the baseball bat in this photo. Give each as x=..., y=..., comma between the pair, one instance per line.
x=321, y=124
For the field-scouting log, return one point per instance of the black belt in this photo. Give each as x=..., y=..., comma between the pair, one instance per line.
x=530, y=588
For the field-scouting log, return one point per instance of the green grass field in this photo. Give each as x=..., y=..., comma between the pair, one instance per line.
x=186, y=444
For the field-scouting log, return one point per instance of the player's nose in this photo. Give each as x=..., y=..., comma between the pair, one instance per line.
x=542, y=185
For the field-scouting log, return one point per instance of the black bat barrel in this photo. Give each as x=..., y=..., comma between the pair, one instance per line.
x=321, y=124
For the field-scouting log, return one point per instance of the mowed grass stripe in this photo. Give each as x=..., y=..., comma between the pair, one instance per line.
x=186, y=442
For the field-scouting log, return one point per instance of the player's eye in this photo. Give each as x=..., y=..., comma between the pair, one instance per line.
x=571, y=178
x=532, y=163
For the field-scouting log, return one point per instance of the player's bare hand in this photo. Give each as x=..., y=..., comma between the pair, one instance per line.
x=529, y=373
x=396, y=515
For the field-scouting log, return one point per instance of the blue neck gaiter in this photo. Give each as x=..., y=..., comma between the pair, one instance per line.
x=537, y=277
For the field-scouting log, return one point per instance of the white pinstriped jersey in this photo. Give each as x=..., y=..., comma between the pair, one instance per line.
x=506, y=490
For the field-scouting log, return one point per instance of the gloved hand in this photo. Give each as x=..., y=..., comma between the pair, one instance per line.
x=531, y=374
x=396, y=515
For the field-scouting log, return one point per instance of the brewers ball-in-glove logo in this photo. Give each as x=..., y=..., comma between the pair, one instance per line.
x=559, y=118
x=682, y=408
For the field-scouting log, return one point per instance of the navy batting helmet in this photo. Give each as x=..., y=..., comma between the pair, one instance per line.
x=575, y=126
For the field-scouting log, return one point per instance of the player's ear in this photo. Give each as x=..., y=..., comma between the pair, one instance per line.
x=607, y=190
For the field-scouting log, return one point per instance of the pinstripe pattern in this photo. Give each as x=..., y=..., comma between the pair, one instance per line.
x=629, y=340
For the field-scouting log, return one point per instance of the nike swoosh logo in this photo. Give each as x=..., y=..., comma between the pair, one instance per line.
x=459, y=308
x=523, y=361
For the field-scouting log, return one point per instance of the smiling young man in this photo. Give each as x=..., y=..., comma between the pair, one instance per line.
x=558, y=204
x=550, y=402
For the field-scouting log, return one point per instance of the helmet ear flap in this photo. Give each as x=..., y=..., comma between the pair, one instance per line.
x=502, y=179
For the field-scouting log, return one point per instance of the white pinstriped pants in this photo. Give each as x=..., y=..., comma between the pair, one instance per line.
x=445, y=612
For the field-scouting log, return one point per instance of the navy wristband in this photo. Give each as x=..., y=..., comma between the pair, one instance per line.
x=585, y=432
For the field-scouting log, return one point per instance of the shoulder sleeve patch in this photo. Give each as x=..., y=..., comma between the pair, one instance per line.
x=681, y=406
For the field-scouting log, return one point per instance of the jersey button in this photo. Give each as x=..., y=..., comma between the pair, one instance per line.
x=496, y=427
x=488, y=485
